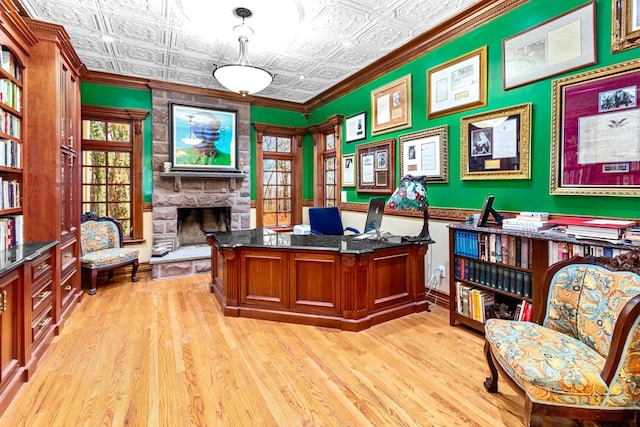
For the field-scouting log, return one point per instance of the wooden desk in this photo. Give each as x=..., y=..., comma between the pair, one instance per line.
x=331, y=281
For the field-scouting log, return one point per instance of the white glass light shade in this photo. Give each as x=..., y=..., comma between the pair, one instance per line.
x=243, y=79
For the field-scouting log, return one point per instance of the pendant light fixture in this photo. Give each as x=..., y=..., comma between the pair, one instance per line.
x=242, y=77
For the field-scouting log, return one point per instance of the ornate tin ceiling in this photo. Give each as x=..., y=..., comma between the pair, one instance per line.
x=309, y=44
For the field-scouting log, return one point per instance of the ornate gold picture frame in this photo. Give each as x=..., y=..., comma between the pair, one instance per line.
x=625, y=26
x=496, y=144
x=595, y=147
x=426, y=153
x=458, y=85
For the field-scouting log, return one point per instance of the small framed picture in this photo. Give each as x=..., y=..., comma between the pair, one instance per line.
x=376, y=167
x=356, y=127
x=426, y=153
x=348, y=171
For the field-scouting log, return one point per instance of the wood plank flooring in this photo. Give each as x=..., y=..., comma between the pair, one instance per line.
x=159, y=353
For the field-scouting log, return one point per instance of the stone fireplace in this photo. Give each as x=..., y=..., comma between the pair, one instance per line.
x=194, y=221
x=185, y=203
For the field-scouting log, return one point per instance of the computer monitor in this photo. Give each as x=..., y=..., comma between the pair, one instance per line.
x=375, y=213
x=487, y=210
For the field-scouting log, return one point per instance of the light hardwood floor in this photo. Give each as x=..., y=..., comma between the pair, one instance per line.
x=159, y=353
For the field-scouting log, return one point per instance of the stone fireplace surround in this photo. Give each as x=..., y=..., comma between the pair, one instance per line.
x=197, y=189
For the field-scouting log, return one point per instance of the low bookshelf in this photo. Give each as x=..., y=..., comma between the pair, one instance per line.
x=501, y=271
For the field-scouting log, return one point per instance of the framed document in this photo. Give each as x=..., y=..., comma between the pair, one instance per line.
x=348, y=171
x=426, y=153
x=391, y=106
x=562, y=44
x=596, y=132
x=458, y=85
x=376, y=167
x=496, y=145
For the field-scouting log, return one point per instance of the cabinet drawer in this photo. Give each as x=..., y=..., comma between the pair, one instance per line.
x=68, y=254
x=41, y=324
x=41, y=272
x=41, y=299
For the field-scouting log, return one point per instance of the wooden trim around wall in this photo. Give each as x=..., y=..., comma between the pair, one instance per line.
x=463, y=22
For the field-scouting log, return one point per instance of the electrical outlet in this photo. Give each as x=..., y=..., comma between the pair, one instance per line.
x=441, y=270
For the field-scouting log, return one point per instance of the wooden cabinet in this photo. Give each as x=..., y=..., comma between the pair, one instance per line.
x=489, y=267
x=11, y=353
x=51, y=163
x=39, y=305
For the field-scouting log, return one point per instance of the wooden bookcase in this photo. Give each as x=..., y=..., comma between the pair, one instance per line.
x=475, y=264
x=52, y=167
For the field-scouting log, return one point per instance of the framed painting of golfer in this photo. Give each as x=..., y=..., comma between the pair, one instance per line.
x=203, y=138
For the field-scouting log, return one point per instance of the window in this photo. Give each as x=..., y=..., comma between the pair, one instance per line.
x=112, y=165
x=326, y=138
x=278, y=175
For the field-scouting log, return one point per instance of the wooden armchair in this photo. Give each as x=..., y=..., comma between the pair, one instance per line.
x=581, y=357
x=102, y=249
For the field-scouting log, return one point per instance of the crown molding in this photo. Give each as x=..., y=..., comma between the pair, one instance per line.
x=463, y=22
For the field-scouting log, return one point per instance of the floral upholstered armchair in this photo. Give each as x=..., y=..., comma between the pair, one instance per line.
x=102, y=249
x=581, y=359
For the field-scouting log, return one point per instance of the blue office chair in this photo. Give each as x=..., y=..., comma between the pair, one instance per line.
x=327, y=221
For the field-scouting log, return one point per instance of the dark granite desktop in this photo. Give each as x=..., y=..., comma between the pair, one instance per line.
x=265, y=238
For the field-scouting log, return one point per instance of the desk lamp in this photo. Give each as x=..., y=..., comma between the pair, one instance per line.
x=411, y=195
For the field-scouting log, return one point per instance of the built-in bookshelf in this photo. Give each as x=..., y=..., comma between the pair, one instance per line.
x=11, y=122
x=499, y=273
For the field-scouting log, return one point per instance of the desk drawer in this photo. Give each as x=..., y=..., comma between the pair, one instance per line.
x=69, y=257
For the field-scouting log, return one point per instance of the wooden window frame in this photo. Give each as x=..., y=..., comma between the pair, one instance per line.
x=333, y=125
x=295, y=134
x=136, y=118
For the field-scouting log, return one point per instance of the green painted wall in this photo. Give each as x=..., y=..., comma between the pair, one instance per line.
x=511, y=195
x=118, y=97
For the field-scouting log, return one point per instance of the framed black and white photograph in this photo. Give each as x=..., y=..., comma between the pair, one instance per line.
x=203, y=138
x=381, y=159
x=617, y=99
x=356, y=127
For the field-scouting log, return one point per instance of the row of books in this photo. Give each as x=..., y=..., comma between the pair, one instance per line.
x=515, y=282
x=9, y=63
x=9, y=124
x=560, y=251
x=608, y=229
x=9, y=194
x=10, y=94
x=11, y=231
x=632, y=236
x=10, y=153
x=498, y=248
x=473, y=302
x=523, y=312
x=527, y=221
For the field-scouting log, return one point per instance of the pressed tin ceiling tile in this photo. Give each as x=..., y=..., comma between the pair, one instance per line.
x=179, y=41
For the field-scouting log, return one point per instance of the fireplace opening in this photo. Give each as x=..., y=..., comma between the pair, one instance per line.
x=193, y=222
